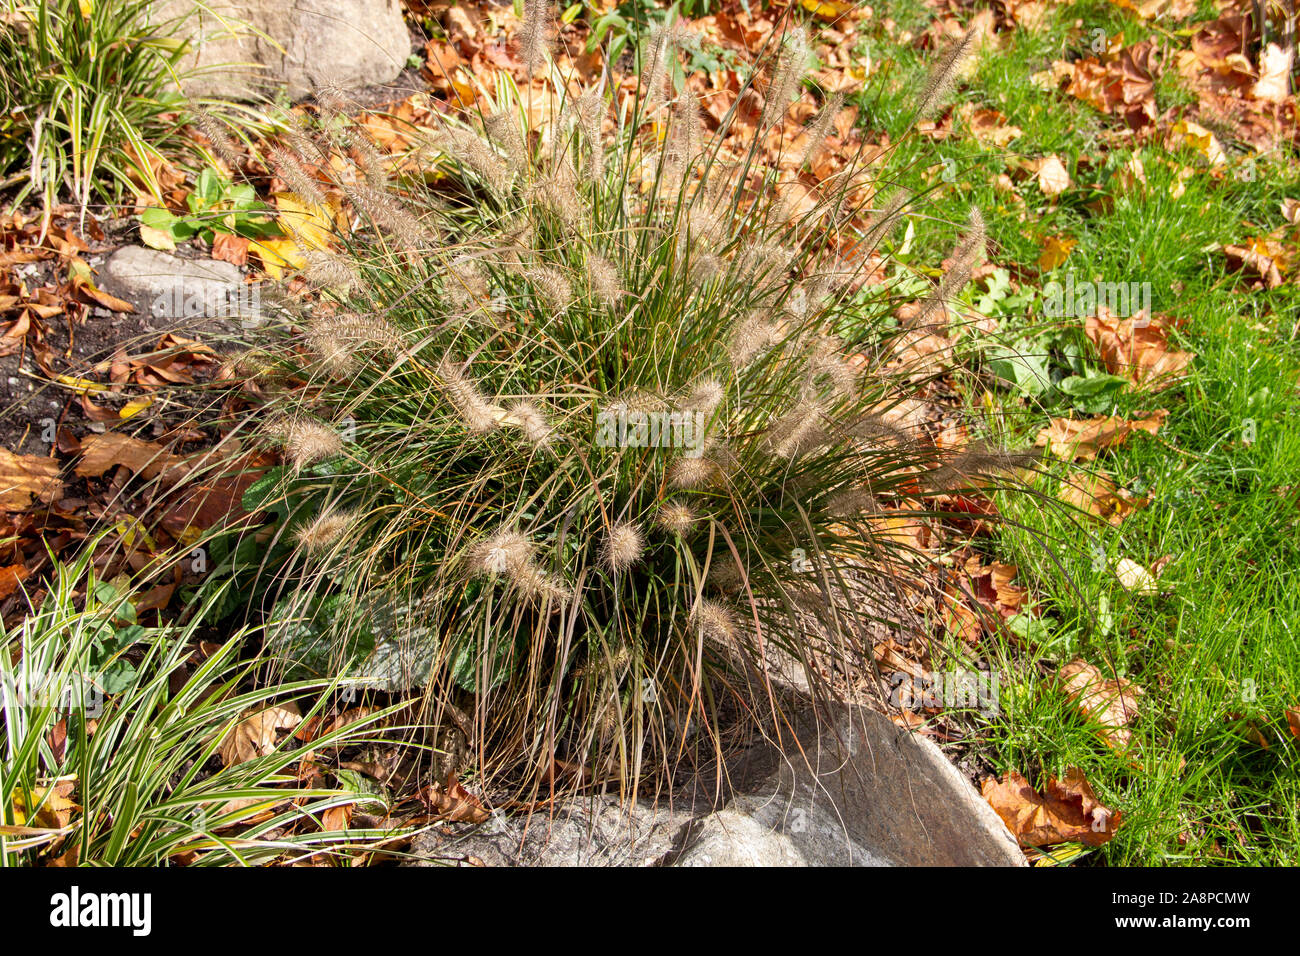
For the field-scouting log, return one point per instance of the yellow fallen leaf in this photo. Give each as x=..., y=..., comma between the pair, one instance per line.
x=277, y=256
x=1200, y=139
x=82, y=386
x=1056, y=249
x=134, y=407
x=827, y=9
x=1136, y=578
x=312, y=225
x=50, y=807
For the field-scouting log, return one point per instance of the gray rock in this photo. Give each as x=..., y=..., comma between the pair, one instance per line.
x=858, y=792
x=170, y=293
x=587, y=831
x=251, y=49
x=864, y=792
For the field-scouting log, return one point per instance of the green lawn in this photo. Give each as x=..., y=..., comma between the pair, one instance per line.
x=1216, y=651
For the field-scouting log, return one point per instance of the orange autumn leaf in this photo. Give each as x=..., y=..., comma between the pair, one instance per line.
x=1082, y=439
x=1098, y=496
x=1066, y=812
x=1137, y=348
x=11, y=577
x=1056, y=249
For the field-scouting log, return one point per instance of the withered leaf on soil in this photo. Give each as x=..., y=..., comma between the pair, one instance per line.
x=215, y=496
x=454, y=803
x=11, y=577
x=258, y=732
x=1067, y=812
x=1112, y=703
x=1081, y=439
x=99, y=453
x=26, y=477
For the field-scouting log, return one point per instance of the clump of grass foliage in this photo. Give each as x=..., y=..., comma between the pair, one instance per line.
x=91, y=104
x=458, y=509
x=112, y=759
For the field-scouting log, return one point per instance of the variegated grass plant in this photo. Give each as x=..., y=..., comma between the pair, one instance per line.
x=112, y=739
x=570, y=441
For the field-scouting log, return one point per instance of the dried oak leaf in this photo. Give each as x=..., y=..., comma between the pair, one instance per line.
x=1081, y=439
x=1137, y=348
x=1067, y=812
x=1112, y=703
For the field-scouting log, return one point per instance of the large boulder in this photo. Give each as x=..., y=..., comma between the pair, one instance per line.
x=858, y=791
x=853, y=791
x=198, y=298
x=252, y=49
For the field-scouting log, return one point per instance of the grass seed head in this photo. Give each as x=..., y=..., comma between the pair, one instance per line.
x=478, y=414
x=944, y=75
x=622, y=547
x=791, y=64
x=323, y=531
x=676, y=518
x=305, y=441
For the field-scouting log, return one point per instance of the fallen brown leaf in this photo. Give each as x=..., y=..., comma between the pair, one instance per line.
x=1081, y=440
x=258, y=733
x=99, y=453
x=1053, y=178
x=1265, y=257
x=1097, y=495
x=25, y=477
x=1137, y=348
x=1112, y=703
x=1068, y=811
x=453, y=803
x=11, y=577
